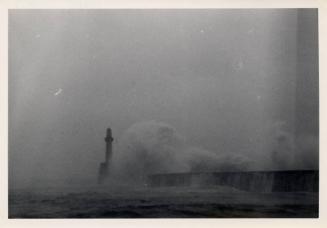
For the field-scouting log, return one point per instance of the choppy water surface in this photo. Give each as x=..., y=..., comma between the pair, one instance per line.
x=159, y=203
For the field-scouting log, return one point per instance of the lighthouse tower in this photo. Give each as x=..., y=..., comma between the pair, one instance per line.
x=104, y=168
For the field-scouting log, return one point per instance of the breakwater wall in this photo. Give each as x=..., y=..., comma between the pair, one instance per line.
x=252, y=181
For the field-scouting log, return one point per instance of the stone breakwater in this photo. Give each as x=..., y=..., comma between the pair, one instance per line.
x=252, y=181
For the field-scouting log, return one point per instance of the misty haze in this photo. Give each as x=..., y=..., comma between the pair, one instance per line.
x=163, y=113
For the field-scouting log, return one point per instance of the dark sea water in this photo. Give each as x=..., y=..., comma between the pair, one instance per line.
x=159, y=203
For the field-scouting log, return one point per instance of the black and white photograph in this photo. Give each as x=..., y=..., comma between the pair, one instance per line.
x=163, y=113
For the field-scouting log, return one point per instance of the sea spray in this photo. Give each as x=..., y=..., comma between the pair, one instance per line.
x=155, y=147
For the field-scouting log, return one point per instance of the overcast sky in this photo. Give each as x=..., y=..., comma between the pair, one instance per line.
x=220, y=77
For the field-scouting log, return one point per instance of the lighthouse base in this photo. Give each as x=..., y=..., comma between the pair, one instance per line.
x=103, y=172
